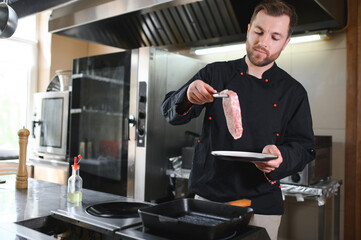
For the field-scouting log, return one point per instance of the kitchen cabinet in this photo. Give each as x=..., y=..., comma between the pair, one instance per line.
x=319, y=192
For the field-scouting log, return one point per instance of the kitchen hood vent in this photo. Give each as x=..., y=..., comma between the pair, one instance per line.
x=132, y=24
x=25, y=8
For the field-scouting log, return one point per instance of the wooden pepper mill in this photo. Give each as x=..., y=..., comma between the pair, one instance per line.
x=22, y=174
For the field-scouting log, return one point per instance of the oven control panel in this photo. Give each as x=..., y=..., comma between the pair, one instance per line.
x=141, y=114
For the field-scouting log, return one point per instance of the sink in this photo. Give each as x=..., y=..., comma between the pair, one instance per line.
x=47, y=225
x=59, y=229
x=117, y=209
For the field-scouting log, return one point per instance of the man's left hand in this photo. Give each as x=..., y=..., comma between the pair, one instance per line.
x=271, y=165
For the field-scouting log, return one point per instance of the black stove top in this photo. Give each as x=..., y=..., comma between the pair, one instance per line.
x=139, y=233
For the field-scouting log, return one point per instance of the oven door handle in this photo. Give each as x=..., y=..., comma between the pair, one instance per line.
x=131, y=123
x=34, y=125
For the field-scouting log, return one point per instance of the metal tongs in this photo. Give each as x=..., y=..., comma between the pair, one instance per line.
x=219, y=95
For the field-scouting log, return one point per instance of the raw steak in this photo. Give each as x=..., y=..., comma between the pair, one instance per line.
x=232, y=111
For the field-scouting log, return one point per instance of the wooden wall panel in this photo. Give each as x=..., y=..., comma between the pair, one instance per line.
x=352, y=222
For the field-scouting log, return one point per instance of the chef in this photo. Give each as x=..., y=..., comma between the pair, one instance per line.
x=276, y=120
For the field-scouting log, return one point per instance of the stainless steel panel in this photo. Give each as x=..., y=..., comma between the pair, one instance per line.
x=188, y=23
x=174, y=29
x=192, y=16
x=77, y=215
x=112, y=22
x=87, y=11
x=156, y=183
x=153, y=29
x=173, y=23
x=131, y=127
x=203, y=24
x=141, y=163
x=167, y=72
x=335, y=8
x=179, y=24
x=26, y=8
x=229, y=18
x=137, y=25
x=158, y=28
x=164, y=27
x=146, y=31
x=141, y=160
x=217, y=17
x=209, y=19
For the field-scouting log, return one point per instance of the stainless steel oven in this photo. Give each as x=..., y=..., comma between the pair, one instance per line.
x=50, y=124
x=317, y=170
x=116, y=124
x=50, y=137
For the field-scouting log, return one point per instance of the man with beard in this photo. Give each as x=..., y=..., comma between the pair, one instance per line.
x=275, y=114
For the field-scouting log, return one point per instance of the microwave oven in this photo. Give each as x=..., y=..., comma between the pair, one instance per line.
x=317, y=170
x=50, y=124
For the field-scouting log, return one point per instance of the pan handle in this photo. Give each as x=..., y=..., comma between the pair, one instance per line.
x=164, y=219
x=236, y=219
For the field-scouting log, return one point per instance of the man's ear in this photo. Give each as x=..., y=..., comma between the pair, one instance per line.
x=249, y=26
x=286, y=43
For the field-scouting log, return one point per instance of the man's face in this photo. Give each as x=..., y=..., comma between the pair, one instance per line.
x=267, y=36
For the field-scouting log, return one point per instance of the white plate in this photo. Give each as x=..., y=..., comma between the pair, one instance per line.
x=243, y=156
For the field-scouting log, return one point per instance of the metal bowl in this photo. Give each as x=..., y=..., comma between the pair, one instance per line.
x=8, y=20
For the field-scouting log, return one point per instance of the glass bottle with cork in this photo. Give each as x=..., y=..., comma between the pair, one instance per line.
x=75, y=183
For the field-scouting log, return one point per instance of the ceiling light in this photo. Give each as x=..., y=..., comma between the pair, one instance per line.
x=308, y=38
x=219, y=49
x=242, y=46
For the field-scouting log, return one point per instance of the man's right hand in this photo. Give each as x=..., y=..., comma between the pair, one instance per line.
x=200, y=92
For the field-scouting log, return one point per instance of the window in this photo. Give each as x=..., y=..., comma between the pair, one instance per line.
x=17, y=81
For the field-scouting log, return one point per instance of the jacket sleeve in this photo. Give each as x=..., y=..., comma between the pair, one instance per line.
x=174, y=98
x=298, y=147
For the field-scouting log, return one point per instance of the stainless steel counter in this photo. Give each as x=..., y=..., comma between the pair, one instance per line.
x=39, y=200
x=23, y=210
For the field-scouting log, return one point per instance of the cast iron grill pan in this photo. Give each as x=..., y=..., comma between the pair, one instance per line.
x=116, y=209
x=195, y=219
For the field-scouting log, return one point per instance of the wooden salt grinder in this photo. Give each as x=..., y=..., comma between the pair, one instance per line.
x=22, y=174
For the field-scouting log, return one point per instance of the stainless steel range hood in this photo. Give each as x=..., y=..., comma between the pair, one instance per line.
x=179, y=23
x=25, y=8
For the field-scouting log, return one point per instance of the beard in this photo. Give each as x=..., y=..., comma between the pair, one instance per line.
x=259, y=60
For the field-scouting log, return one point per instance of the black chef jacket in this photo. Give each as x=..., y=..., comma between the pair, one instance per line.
x=275, y=110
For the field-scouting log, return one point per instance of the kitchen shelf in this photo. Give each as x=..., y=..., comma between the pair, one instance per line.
x=94, y=111
x=98, y=78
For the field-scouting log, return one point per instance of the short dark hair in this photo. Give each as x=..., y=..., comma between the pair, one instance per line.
x=277, y=8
